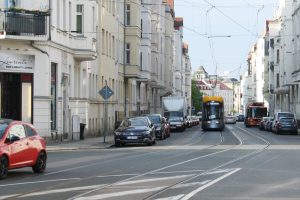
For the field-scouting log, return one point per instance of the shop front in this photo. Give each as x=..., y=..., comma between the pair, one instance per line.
x=16, y=86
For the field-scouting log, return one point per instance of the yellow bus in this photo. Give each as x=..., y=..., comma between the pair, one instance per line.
x=213, y=113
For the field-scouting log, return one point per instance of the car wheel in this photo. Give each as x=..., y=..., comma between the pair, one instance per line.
x=41, y=161
x=3, y=167
x=117, y=144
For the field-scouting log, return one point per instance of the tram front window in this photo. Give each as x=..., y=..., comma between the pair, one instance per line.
x=213, y=112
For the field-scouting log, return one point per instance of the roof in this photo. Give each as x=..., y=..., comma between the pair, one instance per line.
x=212, y=98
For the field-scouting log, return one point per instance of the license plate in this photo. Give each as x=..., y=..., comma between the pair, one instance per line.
x=131, y=137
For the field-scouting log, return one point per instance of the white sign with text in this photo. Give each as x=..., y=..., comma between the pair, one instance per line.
x=16, y=62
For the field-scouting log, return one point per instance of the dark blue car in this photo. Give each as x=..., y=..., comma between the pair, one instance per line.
x=135, y=130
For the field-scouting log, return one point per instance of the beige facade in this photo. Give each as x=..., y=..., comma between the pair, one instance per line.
x=110, y=63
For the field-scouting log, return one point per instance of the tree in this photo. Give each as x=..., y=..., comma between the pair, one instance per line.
x=196, y=97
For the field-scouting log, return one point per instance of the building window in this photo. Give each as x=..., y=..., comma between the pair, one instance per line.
x=79, y=19
x=53, y=96
x=127, y=17
x=127, y=51
x=141, y=60
x=103, y=41
x=277, y=80
x=70, y=16
x=277, y=56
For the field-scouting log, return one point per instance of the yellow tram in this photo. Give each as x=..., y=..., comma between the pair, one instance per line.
x=213, y=113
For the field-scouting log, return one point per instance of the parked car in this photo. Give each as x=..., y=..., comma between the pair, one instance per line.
x=230, y=120
x=167, y=127
x=240, y=118
x=195, y=120
x=280, y=126
x=268, y=124
x=286, y=124
x=135, y=130
x=21, y=146
x=189, y=121
x=263, y=123
x=157, y=121
x=177, y=123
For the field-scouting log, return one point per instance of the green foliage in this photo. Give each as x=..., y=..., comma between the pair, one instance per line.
x=196, y=97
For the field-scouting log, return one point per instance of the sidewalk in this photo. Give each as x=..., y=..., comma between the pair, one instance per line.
x=87, y=143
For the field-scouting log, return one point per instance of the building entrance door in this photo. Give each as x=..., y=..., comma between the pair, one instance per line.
x=11, y=100
x=16, y=96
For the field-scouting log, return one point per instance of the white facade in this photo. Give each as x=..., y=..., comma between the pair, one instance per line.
x=178, y=61
x=59, y=64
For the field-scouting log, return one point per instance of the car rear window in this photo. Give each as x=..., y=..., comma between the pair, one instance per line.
x=286, y=119
x=286, y=115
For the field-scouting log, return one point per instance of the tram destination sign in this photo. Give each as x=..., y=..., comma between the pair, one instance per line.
x=16, y=62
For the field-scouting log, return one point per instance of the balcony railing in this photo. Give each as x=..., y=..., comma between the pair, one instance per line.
x=23, y=24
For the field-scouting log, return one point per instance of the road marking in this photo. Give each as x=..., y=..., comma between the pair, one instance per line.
x=190, y=184
x=62, y=190
x=157, y=170
x=117, y=175
x=193, y=193
x=176, y=172
x=7, y=196
x=172, y=198
x=46, y=181
x=117, y=194
x=217, y=171
x=152, y=180
x=236, y=136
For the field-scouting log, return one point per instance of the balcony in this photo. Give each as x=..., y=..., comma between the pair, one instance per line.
x=23, y=26
x=296, y=76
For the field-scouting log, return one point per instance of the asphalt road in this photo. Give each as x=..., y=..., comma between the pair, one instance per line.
x=238, y=163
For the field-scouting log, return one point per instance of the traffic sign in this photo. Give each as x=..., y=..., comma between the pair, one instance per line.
x=106, y=92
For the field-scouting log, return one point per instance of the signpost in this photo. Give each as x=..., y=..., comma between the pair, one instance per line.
x=106, y=93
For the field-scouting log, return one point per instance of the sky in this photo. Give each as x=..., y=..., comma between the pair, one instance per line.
x=220, y=33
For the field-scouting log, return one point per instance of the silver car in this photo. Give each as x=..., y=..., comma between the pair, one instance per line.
x=230, y=119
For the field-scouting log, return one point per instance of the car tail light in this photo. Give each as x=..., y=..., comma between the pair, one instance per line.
x=278, y=125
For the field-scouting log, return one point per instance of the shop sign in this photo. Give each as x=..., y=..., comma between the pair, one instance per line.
x=16, y=62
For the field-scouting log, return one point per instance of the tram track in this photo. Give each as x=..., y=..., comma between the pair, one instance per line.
x=61, y=185
x=153, y=195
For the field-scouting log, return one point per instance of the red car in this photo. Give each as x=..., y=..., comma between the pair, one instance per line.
x=20, y=146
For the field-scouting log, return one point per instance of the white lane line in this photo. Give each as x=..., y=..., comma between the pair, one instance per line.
x=176, y=172
x=151, y=172
x=116, y=175
x=236, y=136
x=153, y=179
x=172, y=198
x=217, y=171
x=62, y=190
x=7, y=196
x=191, y=194
x=190, y=184
x=35, y=182
x=118, y=194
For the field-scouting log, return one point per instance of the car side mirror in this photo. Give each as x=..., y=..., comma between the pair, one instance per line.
x=14, y=138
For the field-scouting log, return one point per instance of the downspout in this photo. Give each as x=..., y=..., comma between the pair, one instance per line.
x=124, y=64
x=50, y=10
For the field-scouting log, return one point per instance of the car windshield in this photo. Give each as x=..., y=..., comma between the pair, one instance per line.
x=2, y=129
x=134, y=122
x=175, y=119
x=154, y=119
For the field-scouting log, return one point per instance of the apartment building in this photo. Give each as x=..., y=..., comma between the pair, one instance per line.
x=48, y=56
x=110, y=62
